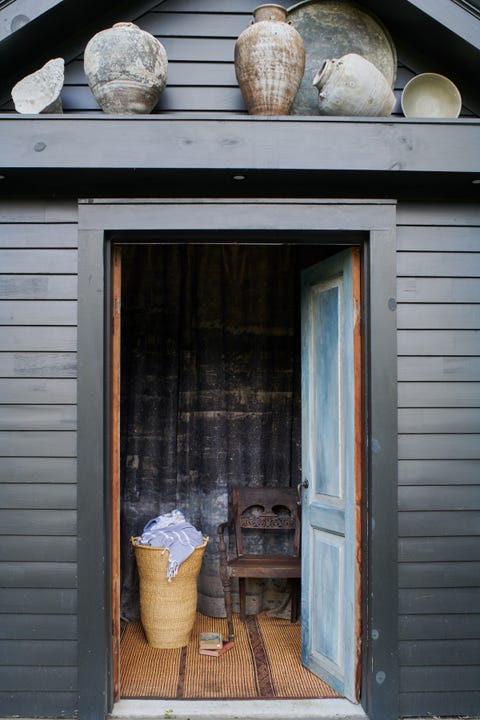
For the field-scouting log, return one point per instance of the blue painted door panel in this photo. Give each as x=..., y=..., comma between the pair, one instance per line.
x=329, y=572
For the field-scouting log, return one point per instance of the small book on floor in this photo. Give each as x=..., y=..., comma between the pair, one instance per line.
x=213, y=644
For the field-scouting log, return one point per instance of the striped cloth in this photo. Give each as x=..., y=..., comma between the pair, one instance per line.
x=172, y=532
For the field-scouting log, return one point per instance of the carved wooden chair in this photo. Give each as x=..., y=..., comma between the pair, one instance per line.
x=264, y=509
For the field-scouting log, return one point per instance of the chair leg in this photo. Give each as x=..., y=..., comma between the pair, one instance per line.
x=243, y=603
x=227, y=587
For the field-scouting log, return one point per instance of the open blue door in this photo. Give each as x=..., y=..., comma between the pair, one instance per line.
x=331, y=467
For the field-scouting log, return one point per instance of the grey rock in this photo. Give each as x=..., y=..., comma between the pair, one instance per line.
x=40, y=91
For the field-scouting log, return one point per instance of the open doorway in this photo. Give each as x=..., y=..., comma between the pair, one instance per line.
x=208, y=392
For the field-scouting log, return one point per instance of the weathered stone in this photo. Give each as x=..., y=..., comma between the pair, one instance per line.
x=40, y=91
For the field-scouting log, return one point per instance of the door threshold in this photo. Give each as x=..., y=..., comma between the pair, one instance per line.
x=327, y=709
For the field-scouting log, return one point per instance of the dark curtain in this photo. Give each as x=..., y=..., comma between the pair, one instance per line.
x=210, y=389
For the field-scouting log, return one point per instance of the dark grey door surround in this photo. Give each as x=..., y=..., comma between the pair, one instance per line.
x=102, y=222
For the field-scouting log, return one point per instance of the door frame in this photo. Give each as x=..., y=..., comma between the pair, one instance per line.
x=104, y=222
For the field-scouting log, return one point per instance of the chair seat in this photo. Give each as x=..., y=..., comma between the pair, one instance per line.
x=274, y=566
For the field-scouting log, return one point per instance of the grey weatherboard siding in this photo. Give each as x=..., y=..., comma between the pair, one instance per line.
x=38, y=288
x=438, y=269
x=438, y=291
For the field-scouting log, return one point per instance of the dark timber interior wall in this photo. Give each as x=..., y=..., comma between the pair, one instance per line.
x=38, y=289
x=439, y=458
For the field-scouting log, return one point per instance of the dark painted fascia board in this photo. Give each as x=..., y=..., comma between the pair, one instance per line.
x=17, y=13
x=455, y=16
x=245, y=142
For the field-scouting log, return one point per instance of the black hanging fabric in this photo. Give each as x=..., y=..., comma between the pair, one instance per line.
x=210, y=388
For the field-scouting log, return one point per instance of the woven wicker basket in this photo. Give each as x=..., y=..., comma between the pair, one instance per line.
x=167, y=609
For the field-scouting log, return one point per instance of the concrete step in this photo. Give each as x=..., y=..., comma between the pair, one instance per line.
x=328, y=709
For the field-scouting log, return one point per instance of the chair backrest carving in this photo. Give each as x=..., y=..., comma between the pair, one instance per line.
x=266, y=509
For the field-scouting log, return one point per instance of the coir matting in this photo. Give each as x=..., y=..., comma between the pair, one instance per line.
x=263, y=663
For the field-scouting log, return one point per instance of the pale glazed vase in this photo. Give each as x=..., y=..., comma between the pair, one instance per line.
x=126, y=69
x=352, y=85
x=269, y=62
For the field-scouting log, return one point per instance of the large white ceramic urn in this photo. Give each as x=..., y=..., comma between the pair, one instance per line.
x=126, y=68
x=351, y=85
x=269, y=62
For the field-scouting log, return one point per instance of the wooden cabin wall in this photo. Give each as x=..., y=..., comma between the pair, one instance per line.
x=439, y=470
x=38, y=316
x=439, y=482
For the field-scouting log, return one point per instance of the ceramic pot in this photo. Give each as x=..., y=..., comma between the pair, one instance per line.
x=269, y=62
x=431, y=95
x=352, y=85
x=126, y=69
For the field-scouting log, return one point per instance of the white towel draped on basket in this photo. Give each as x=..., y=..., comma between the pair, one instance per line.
x=172, y=532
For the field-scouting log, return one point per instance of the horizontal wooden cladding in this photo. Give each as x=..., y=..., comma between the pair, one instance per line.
x=437, y=264
x=38, y=704
x=439, y=316
x=420, y=679
x=38, y=391
x=26, y=548
x=195, y=24
x=438, y=574
x=425, y=497
x=439, y=703
x=434, y=214
x=444, y=626
x=38, y=470
x=50, y=496
x=447, y=446
x=438, y=342
x=40, y=600
x=38, y=627
x=38, y=211
x=438, y=472
x=38, y=522
x=438, y=239
x=31, y=364
x=38, y=287
x=179, y=74
x=439, y=652
x=40, y=679
x=449, y=549
x=211, y=6
x=438, y=523
x=35, y=235
x=38, y=575
x=429, y=601
x=25, y=260
x=38, y=652
x=439, y=394
x=438, y=290
x=437, y=420
x=463, y=369
x=22, y=338
x=173, y=99
x=38, y=312
x=32, y=443
x=38, y=417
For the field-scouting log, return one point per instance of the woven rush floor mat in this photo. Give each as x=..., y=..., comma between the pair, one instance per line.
x=263, y=663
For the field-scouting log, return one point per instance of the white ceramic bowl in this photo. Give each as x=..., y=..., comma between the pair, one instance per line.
x=430, y=95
